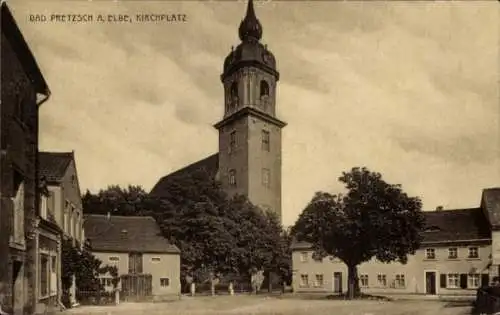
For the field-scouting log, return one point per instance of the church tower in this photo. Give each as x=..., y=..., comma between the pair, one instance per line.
x=250, y=132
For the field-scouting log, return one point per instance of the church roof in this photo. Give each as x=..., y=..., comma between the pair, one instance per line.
x=210, y=164
x=126, y=234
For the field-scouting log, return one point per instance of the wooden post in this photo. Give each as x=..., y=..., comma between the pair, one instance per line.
x=193, y=288
x=231, y=289
x=117, y=297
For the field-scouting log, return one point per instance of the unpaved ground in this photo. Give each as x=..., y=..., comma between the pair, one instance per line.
x=240, y=305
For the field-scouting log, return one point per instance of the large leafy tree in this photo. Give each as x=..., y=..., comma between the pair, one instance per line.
x=373, y=219
x=216, y=234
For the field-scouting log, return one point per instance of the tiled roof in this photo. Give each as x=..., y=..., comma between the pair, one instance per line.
x=491, y=204
x=447, y=226
x=456, y=225
x=22, y=50
x=209, y=164
x=126, y=234
x=53, y=165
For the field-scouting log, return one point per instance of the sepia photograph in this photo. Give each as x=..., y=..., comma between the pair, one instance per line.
x=264, y=157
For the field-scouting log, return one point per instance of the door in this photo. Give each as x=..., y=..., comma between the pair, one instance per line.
x=337, y=282
x=430, y=282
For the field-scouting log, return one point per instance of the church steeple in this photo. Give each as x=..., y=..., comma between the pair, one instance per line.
x=250, y=131
x=250, y=27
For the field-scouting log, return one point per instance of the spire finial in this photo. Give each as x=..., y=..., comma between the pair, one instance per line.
x=250, y=27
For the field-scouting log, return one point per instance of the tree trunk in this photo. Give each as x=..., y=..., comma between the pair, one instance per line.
x=269, y=284
x=212, y=286
x=352, y=284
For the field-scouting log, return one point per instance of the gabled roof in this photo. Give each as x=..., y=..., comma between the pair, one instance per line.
x=125, y=234
x=446, y=226
x=209, y=164
x=22, y=50
x=490, y=202
x=53, y=165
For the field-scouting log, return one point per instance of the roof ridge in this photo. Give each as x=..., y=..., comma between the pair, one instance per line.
x=451, y=210
x=121, y=216
x=57, y=152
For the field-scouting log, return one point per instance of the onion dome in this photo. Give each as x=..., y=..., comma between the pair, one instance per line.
x=250, y=28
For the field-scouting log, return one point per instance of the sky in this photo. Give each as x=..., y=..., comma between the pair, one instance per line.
x=407, y=89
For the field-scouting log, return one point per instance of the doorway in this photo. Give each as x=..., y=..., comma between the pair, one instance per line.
x=337, y=282
x=430, y=282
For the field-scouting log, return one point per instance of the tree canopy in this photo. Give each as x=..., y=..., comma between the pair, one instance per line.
x=213, y=231
x=373, y=219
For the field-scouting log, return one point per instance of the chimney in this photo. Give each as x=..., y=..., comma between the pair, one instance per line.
x=439, y=208
x=109, y=215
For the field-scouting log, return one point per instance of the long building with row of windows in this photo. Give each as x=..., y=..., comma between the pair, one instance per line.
x=460, y=252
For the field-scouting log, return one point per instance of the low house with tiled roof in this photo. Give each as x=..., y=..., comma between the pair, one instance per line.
x=135, y=245
x=455, y=258
x=63, y=200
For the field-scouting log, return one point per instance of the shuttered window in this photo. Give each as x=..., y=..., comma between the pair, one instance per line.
x=485, y=279
x=442, y=281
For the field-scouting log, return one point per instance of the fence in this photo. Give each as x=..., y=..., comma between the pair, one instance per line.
x=96, y=297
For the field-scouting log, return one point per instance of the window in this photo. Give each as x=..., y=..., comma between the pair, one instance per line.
x=400, y=281
x=473, y=252
x=382, y=280
x=473, y=281
x=18, y=200
x=164, y=282
x=53, y=263
x=44, y=275
x=114, y=258
x=234, y=94
x=134, y=263
x=265, y=140
x=266, y=177
x=43, y=207
x=21, y=108
x=53, y=274
x=317, y=258
x=303, y=257
x=363, y=281
x=264, y=88
x=155, y=259
x=106, y=281
x=430, y=253
x=318, y=281
x=304, y=280
x=232, y=141
x=232, y=177
x=66, y=221
x=453, y=253
x=453, y=280
x=51, y=203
